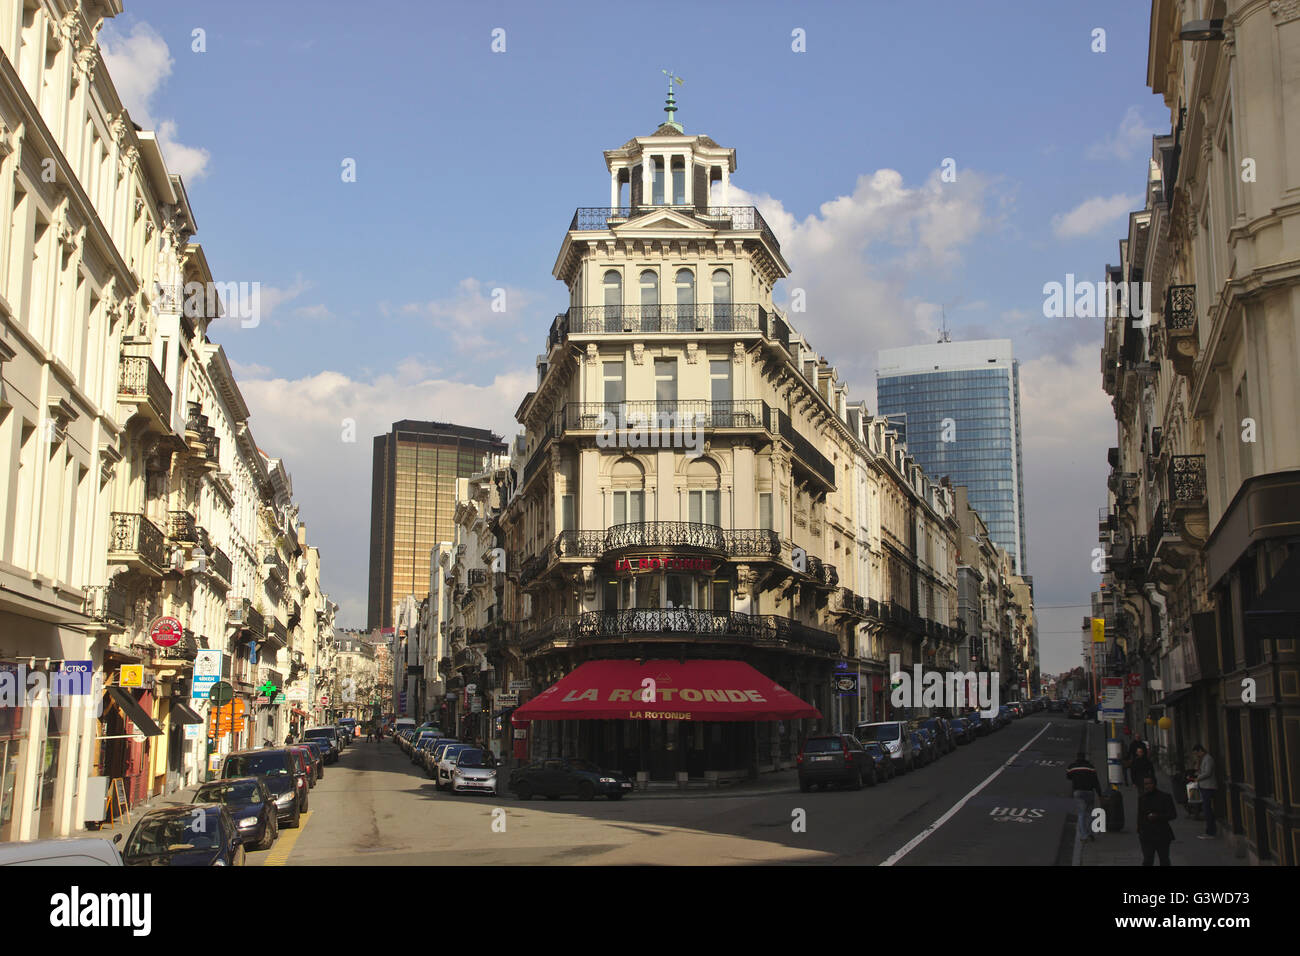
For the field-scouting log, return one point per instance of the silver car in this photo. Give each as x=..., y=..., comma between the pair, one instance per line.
x=470, y=774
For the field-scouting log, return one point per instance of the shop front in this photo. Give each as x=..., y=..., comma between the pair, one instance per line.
x=663, y=719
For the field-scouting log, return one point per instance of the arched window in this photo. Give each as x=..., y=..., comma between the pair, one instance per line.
x=649, y=301
x=613, y=301
x=702, y=493
x=685, y=300
x=721, y=300
x=628, y=482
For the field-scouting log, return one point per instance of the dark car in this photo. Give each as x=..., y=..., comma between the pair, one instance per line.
x=920, y=757
x=251, y=807
x=980, y=725
x=962, y=731
x=942, y=734
x=834, y=758
x=890, y=734
x=1055, y=705
x=197, y=834
x=1003, y=718
x=880, y=757
x=1077, y=711
x=312, y=759
x=280, y=769
x=319, y=752
x=559, y=777
x=930, y=743
x=327, y=734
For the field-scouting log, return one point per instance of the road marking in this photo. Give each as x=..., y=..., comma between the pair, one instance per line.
x=916, y=841
x=278, y=855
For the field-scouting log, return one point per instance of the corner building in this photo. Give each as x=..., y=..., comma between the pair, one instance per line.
x=689, y=487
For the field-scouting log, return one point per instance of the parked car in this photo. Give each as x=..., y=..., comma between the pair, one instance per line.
x=303, y=755
x=429, y=748
x=962, y=731
x=329, y=735
x=833, y=758
x=251, y=806
x=558, y=777
x=880, y=757
x=983, y=726
x=280, y=771
x=1077, y=711
x=1055, y=706
x=920, y=753
x=470, y=773
x=77, y=851
x=930, y=743
x=890, y=735
x=351, y=727
x=420, y=739
x=1003, y=718
x=943, y=739
x=1017, y=708
x=197, y=834
x=319, y=751
x=447, y=760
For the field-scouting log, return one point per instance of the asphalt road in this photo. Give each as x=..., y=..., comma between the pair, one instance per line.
x=1002, y=800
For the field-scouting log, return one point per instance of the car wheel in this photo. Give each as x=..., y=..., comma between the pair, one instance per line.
x=295, y=821
x=586, y=790
x=858, y=782
x=304, y=804
x=524, y=792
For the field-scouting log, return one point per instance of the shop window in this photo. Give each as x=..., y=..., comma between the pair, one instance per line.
x=720, y=599
x=680, y=591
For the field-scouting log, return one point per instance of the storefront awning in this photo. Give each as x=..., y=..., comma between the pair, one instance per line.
x=690, y=690
x=134, y=712
x=185, y=714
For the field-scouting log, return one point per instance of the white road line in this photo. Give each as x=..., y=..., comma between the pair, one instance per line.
x=916, y=841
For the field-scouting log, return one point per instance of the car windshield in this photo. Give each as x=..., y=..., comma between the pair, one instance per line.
x=452, y=750
x=173, y=833
x=272, y=763
x=823, y=745
x=228, y=793
x=469, y=758
x=884, y=731
x=585, y=765
x=322, y=734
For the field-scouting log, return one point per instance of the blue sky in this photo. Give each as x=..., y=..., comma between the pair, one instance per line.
x=469, y=165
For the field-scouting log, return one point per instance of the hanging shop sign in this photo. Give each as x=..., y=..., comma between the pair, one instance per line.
x=166, y=632
x=670, y=563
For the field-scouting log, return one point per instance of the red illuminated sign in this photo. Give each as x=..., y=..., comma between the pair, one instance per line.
x=634, y=565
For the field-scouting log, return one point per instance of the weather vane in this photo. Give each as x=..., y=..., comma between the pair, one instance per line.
x=671, y=108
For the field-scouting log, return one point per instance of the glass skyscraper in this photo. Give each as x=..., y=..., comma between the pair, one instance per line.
x=957, y=404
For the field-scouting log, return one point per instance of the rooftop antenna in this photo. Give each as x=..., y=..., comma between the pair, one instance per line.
x=671, y=108
x=943, y=333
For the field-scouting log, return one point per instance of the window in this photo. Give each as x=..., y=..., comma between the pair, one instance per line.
x=666, y=379
x=629, y=506
x=613, y=287
x=568, y=513
x=704, y=507
x=685, y=283
x=679, y=181
x=680, y=590
x=765, y=510
x=1243, y=412
x=722, y=300
x=721, y=597
x=649, y=301
x=657, y=181
x=615, y=389
x=720, y=390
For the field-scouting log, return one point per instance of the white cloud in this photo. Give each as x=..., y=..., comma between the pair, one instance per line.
x=1092, y=215
x=857, y=257
x=272, y=297
x=140, y=63
x=303, y=422
x=469, y=316
x=1133, y=138
x=318, y=311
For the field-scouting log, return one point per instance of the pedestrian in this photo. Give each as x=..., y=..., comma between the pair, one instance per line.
x=1154, y=811
x=1083, y=778
x=1141, y=765
x=1206, y=783
x=288, y=738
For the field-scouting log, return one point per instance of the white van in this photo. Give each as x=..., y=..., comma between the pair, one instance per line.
x=403, y=723
x=80, y=851
x=892, y=735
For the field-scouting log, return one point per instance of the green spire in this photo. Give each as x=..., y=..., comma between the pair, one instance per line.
x=671, y=108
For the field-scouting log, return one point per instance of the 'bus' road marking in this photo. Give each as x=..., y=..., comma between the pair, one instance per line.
x=916, y=841
x=278, y=855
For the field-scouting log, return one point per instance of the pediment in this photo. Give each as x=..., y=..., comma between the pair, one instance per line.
x=665, y=219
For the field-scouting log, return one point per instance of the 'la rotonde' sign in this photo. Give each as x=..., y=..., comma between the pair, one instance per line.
x=634, y=565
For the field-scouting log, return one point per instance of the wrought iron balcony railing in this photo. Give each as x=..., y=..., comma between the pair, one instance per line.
x=1180, y=307
x=650, y=319
x=779, y=423
x=254, y=623
x=141, y=384
x=220, y=565
x=180, y=527
x=274, y=564
x=664, y=416
x=135, y=539
x=753, y=542
x=107, y=603
x=740, y=218
x=689, y=623
x=1187, y=480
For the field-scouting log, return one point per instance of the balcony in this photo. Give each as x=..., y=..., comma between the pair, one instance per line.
x=478, y=577
x=733, y=218
x=1181, y=341
x=295, y=613
x=277, y=635
x=142, y=385
x=135, y=541
x=663, y=319
x=106, y=603
x=848, y=604
x=275, y=565
x=254, y=626
x=1187, y=499
x=815, y=465
x=666, y=416
x=220, y=567
x=180, y=527
x=675, y=624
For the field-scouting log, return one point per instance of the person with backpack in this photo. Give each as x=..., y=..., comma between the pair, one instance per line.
x=1083, y=778
x=1154, y=811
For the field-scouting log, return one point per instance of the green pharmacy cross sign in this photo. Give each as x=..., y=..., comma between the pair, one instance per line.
x=268, y=689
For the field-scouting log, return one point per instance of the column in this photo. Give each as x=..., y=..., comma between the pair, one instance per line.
x=646, y=179
x=613, y=188
x=688, y=170
x=726, y=186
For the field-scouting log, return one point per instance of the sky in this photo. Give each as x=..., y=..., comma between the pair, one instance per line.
x=380, y=174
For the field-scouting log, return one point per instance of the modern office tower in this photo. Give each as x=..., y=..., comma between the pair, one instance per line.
x=957, y=404
x=413, y=502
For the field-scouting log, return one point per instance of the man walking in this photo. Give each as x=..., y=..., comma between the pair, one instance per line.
x=1083, y=778
x=1205, y=783
x=1154, y=811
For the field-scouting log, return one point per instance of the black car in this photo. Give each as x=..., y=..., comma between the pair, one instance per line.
x=279, y=770
x=559, y=777
x=880, y=756
x=930, y=743
x=251, y=807
x=943, y=740
x=327, y=734
x=920, y=755
x=980, y=725
x=834, y=758
x=197, y=834
x=962, y=731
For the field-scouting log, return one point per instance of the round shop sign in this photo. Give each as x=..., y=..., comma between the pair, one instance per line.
x=166, y=632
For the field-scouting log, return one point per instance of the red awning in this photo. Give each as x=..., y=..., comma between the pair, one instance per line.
x=693, y=690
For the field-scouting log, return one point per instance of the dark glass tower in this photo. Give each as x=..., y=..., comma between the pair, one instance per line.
x=413, y=502
x=958, y=406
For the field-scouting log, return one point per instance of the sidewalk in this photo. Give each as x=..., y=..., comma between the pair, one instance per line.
x=107, y=831
x=1122, y=848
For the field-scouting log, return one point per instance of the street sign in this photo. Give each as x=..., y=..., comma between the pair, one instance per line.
x=222, y=693
x=207, y=671
x=278, y=699
x=1134, y=680
x=131, y=675
x=1112, y=698
x=517, y=685
x=324, y=699
x=166, y=632
x=845, y=684
x=476, y=705
x=507, y=700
